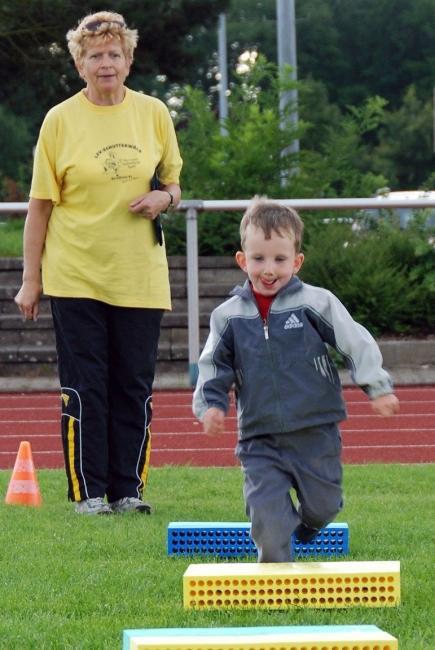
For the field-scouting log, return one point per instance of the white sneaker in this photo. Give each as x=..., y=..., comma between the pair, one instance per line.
x=130, y=504
x=95, y=506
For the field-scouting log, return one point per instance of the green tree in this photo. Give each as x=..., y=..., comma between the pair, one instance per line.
x=338, y=163
x=36, y=70
x=384, y=46
x=404, y=153
x=351, y=50
x=250, y=156
x=357, y=48
x=377, y=274
x=249, y=159
x=15, y=158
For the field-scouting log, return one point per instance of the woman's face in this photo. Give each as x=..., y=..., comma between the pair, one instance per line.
x=104, y=67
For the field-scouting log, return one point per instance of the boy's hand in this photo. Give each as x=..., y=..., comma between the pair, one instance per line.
x=386, y=404
x=213, y=421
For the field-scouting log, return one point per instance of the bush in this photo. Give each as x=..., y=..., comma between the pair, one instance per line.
x=255, y=154
x=11, y=237
x=15, y=156
x=379, y=274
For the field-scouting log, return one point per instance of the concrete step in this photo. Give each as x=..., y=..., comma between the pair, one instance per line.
x=7, y=305
x=169, y=375
x=205, y=289
x=28, y=350
x=209, y=269
x=206, y=305
x=408, y=353
x=45, y=352
x=412, y=358
x=35, y=338
x=14, y=321
x=174, y=375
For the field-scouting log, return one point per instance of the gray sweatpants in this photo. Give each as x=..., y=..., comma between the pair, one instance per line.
x=308, y=461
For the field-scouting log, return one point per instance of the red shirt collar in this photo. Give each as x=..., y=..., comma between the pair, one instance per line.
x=263, y=303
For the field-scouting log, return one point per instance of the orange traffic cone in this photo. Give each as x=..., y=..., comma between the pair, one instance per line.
x=23, y=487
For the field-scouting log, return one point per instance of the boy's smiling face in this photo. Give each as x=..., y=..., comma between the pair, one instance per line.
x=269, y=263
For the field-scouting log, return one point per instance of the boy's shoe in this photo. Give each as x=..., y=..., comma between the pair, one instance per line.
x=94, y=506
x=305, y=534
x=130, y=504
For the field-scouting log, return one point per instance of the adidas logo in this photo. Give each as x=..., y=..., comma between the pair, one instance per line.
x=292, y=322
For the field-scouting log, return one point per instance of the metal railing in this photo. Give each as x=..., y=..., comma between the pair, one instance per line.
x=193, y=207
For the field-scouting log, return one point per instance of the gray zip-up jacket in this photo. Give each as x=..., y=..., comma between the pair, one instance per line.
x=283, y=376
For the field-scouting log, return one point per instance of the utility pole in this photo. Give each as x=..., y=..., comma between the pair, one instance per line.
x=286, y=41
x=223, y=81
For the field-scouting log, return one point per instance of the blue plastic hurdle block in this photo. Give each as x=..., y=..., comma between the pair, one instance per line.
x=298, y=637
x=233, y=539
x=331, y=540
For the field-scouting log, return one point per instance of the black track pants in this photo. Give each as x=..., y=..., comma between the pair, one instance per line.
x=106, y=361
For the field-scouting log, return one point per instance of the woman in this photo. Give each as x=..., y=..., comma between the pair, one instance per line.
x=90, y=224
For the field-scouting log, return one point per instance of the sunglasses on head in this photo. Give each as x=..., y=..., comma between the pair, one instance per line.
x=95, y=25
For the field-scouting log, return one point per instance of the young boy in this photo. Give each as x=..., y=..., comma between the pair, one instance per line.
x=269, y=341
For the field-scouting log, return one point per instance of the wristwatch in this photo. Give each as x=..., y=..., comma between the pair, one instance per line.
x=171, y=196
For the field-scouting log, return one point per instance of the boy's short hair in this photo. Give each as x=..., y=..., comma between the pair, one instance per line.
x=271, y=216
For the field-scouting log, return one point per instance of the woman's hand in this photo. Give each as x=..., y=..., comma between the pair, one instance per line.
x=150, y=205
x=35, y=230
x=27, y=299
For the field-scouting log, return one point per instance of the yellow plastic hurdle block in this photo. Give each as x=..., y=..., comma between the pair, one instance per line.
x=288, y=585
x=316, y=637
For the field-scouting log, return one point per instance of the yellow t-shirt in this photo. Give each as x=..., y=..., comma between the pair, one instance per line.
x=92, y=161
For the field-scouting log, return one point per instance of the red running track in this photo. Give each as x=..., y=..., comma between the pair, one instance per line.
x=177, y=437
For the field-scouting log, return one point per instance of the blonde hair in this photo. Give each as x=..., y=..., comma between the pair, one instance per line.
x=270, y=216
x=112, y=26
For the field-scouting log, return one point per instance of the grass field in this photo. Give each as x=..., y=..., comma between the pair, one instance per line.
x=11, y=237
x=69, y=581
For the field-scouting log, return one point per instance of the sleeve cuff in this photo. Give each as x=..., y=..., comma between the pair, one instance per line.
x=381, y=388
